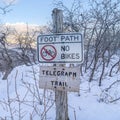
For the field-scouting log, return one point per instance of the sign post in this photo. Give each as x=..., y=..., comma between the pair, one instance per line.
x=60, y=48
x=61, y=99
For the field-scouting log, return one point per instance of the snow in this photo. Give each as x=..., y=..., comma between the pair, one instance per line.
x=88, y=107
x=21, y=97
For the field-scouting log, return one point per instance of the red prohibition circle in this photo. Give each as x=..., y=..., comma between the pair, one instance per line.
x=48, y=52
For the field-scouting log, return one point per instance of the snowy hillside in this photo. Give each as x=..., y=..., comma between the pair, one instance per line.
x=22, y=99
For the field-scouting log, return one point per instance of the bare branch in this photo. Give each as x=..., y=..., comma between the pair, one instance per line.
x=6, y=8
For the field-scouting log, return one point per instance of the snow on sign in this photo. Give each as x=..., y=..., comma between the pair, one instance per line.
x=60, y=48
x=60, y=78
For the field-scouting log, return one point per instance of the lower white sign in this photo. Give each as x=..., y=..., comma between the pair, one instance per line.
x=60, y=78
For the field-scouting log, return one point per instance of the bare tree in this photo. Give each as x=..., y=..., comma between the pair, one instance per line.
x=100, y=25
x=6, y=6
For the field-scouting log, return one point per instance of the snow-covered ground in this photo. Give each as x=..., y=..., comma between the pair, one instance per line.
x=22, y=99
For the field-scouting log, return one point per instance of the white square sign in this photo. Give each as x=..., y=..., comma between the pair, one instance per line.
x=60, y=48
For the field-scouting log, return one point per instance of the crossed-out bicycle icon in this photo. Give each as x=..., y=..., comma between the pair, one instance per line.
x=48, y=52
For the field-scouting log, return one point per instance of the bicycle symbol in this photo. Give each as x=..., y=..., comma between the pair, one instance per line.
x=48, y=52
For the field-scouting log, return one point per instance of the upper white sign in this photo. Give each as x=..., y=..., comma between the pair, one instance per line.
x=60, y=48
